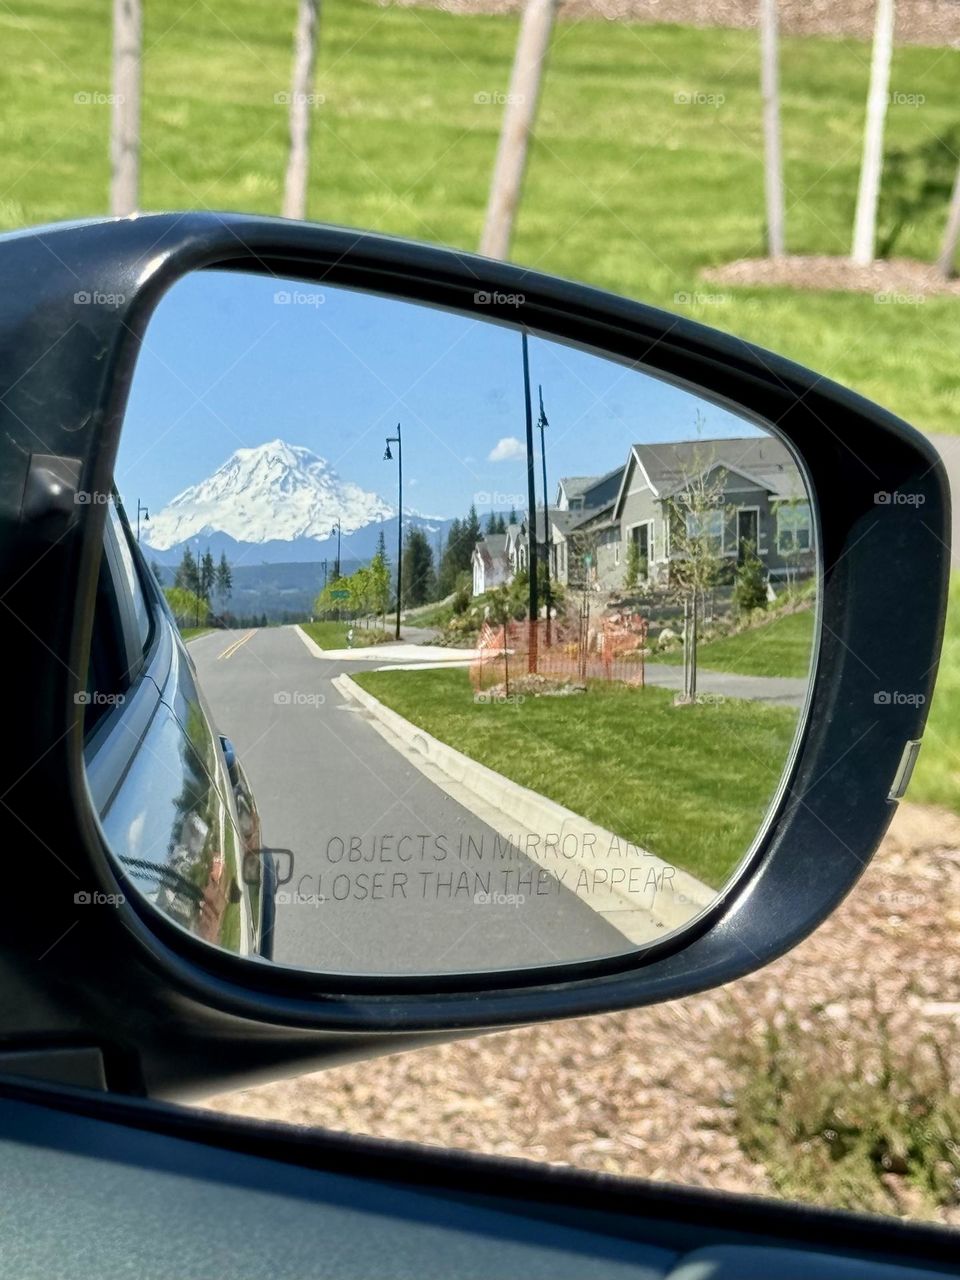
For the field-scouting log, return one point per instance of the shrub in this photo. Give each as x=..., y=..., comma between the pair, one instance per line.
x=848, y=1117
x=750, y=583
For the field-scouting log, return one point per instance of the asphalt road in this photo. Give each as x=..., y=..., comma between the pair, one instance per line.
x=386, y=866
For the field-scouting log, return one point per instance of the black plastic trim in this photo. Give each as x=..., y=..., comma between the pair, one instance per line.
x=65, y=380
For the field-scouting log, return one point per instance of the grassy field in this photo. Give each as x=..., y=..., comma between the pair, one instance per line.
x=778, y=648
x=690, y=784
x=936, y=779
x=627, y=187
x=192, y=633
x=333, y=635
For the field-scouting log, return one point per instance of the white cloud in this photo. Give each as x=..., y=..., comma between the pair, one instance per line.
x=507, y=449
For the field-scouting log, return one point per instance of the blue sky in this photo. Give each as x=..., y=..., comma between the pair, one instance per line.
x=232, y=361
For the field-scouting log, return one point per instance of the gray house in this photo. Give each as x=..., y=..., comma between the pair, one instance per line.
x=582, y=511
x=490, y=563
x=748, y=489
x=734, y=492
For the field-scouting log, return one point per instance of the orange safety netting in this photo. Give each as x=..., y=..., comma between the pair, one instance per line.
x=578, y=649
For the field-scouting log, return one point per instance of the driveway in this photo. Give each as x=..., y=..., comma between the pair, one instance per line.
x=787, y=691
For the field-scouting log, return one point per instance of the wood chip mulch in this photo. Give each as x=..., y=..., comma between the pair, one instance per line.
x=649, y=1092
x=892, y=281
x=929, y=22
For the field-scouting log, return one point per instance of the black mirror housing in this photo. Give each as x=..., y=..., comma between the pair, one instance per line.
x=169, y=1016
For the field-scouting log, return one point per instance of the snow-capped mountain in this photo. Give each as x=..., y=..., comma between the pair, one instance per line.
x=276, y=492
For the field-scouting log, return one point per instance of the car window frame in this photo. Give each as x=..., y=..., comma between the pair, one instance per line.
x=136, y=651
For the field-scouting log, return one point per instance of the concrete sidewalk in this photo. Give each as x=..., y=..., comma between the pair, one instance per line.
x=628, y=886
x=394, y=651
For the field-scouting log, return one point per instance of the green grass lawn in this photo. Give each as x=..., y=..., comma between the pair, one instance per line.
x=191, y=633
x=690, y=784
x=333, y=635
x=778, y=648
x=936, y=779
x=626, y=188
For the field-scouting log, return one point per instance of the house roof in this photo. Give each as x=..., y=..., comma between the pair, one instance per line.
x=566, y=521
x=522, y=528
x=595, y=517
x=671, y=465
x=496, y=543
x=490, y=548
x=576, y=486
x=585, y=486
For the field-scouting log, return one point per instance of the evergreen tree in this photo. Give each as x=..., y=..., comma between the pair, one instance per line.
x=471, y=536
x=224, y=578
x=187, y=575
x=635, y=567
x=512, y=518
x=449, y=565
x=380, y=579
x=208, y=575
x=418, y=584
x=491, y=523
x=750, y=587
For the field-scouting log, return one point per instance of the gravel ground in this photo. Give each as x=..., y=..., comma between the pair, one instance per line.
x=649, y=1092
x=930, y=22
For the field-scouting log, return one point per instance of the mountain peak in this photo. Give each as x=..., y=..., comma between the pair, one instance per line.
x=268, y=492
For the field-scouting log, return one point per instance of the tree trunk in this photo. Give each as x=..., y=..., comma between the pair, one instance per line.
x=690, y=626
x=125, y=120
x=948, y=251
x=301, y=99
x=773, y=158
x=865, y=223
x=519, y=114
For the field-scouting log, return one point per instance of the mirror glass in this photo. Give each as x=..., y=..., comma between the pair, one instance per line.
x=561, y=736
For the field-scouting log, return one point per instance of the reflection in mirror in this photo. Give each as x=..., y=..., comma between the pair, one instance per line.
x=468, y=650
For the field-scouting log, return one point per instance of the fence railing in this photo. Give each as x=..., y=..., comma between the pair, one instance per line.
x=570, y=650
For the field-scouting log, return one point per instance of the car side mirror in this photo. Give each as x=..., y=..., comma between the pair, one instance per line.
x=646, y=767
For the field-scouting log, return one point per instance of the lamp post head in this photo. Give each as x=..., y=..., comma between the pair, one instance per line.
x=543, y=417
x=387, y=455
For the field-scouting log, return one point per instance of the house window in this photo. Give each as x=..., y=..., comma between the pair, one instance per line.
x=794, y=528
x=616, y=552
x=706, y=526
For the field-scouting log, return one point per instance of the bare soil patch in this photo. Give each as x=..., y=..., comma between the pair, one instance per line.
x=893, y=281
x=650, y=1092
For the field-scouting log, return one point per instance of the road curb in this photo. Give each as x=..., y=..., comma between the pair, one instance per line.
x=312, y=645
x=675, y=897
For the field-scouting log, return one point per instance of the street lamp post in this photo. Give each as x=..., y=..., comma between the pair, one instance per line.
x=388, y=457
x=146, y=516
x=532, y=504
x=543, y=423
x=336, y=568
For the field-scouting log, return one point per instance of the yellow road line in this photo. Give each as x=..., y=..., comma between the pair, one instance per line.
x=231, y=649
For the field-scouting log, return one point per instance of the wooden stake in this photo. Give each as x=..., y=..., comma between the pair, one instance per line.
x=519, y=114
